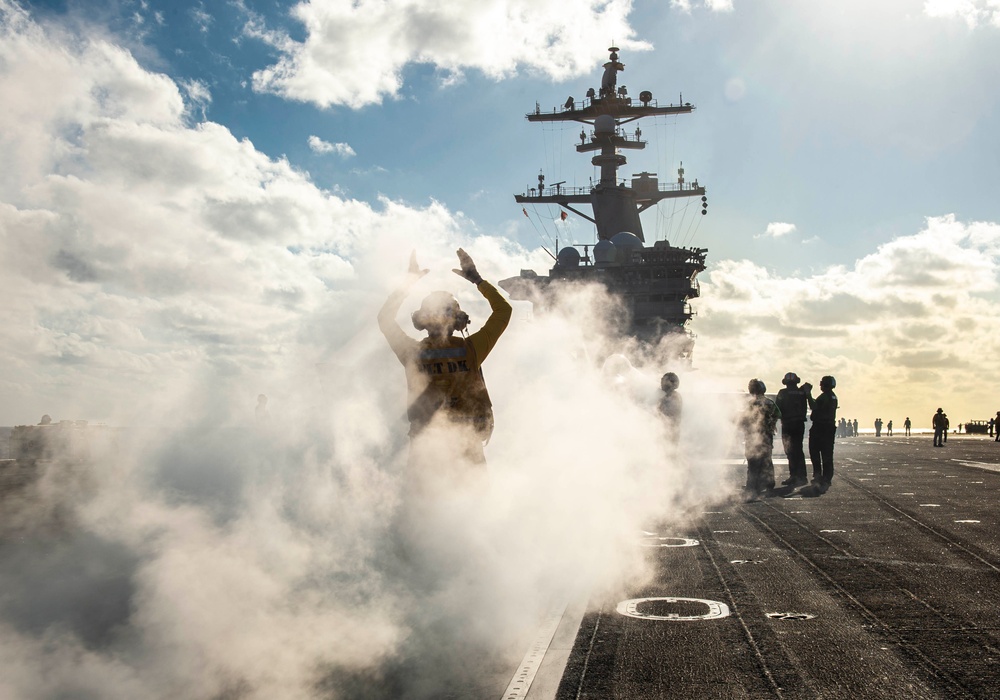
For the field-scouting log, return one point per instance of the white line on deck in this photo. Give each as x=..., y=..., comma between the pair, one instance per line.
x=525, y=674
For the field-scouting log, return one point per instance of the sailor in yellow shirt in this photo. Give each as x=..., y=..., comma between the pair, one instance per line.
x=449, y=408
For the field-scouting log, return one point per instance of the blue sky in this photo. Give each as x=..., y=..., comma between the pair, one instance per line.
x=828, y=135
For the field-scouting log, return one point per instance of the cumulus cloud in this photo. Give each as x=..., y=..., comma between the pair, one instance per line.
x=972, y=12
x=354, y=54
x=712, y=5
x=343, y=150
x=777, y=229
x=903, y=325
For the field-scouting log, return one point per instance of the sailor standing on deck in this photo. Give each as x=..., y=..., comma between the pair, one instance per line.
x=671, y=405
x=450, y=412
x=822, y=433
x=938, y=423
x=759, y=420
x=792, y=403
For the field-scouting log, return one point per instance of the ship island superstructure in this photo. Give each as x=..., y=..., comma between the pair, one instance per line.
x=655, y=282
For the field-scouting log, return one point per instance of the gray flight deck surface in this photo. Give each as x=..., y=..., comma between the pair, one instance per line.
x=887, y=586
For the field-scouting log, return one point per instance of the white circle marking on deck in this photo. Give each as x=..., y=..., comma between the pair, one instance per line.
x=662, y=542
x=833, y=530
x=930, y=505
x=630, y=608
x=966, y=521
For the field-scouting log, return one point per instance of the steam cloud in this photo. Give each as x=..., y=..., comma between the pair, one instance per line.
x=207, y=554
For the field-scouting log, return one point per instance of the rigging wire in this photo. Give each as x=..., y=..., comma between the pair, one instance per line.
x=550, y=238
x=697, y=226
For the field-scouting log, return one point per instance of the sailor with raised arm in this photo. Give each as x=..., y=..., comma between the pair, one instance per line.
x=449, y=408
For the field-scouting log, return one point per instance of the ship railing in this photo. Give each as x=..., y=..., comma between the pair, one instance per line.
x=578, y=191
x=588, y=102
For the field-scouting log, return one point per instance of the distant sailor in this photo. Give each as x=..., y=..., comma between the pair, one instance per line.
x=938, y=423
x=821, y=434
x=759, y=420
x=449, y=408
x=906, y=426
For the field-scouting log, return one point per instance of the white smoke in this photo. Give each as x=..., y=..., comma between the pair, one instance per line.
x=160, y=275
x=213, y=555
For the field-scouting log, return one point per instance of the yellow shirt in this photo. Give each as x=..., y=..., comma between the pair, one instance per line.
x=446, y=374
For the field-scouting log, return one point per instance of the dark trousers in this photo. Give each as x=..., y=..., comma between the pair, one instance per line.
x=938, y=437
x=792, y=433
x=821, y=451
x=760, y=474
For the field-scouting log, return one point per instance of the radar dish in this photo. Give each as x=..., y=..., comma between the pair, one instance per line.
x=605, y=252
x=626, y=239
x=569, y=257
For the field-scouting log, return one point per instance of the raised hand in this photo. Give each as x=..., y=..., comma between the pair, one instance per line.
x=414, y=270
x=468, y=270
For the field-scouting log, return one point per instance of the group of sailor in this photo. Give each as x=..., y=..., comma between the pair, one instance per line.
x=758, y=422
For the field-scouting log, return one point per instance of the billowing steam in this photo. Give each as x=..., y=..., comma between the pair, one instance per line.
x=211, y=553
x=160, y=275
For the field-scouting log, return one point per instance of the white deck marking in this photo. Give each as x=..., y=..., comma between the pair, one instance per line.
x=966, y=521
x=526, y=672
x=630, y=608
x=673, y=542
x=989, y=466
x=790, y=616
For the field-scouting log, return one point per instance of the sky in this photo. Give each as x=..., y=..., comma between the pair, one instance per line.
x=187, y=184
x=205, y=202
x=194, y=187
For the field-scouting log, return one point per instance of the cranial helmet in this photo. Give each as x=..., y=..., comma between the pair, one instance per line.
x=440, y=310
x=828, y=380
x=791, y=378
x=669, y=382
x=756, y=386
